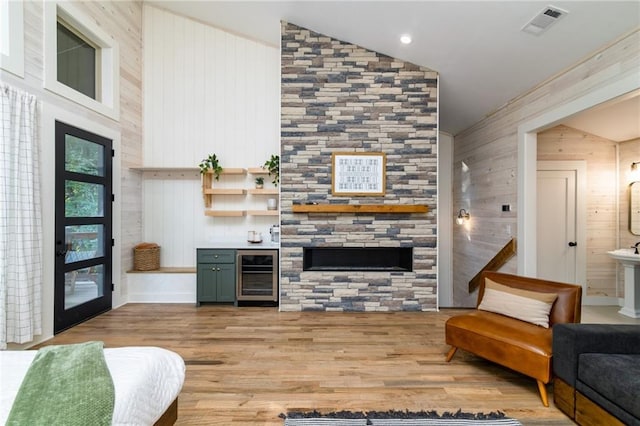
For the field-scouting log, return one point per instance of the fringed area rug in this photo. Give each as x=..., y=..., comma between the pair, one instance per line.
x=397, y=418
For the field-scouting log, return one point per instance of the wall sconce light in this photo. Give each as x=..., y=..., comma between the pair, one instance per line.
x=635, y=172
x=462, y=216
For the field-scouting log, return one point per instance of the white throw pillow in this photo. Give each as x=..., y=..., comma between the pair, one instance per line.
x=525, y=305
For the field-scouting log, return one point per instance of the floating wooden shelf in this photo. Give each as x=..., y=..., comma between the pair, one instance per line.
x=168, y=172
x=209, y=189
x=166, y=169
x=230, y=171
x=225, y=213
x=264, y=191
x=225, y=191
x=263, y=212
x=208, y=185
x=166, y=270
x=258, y=171
x=359, y=208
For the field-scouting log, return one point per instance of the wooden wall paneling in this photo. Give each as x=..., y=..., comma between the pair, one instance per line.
x=122, y=20
x=150, y=85
x=491, y=175
x=33, y=43
x=185, y=122
x=173, y=148
x=200, y=80
x=173, y=222
x=565, y=143
x=205, y=92
x=165, y=144
x=215, y=135
x=497, y=133
x=164, y=217
x=184, y=245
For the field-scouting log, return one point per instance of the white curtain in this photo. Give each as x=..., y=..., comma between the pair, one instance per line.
x=20, y=218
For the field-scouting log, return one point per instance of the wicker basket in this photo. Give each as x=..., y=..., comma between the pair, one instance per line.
x=146, y=257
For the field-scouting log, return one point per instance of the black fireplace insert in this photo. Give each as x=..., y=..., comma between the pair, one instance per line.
x=394, y=259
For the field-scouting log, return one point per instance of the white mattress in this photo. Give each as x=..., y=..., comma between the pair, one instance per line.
x=146, y=381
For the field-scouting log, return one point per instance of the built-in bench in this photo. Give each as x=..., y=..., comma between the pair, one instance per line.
x=164, y=285
x=167, y=270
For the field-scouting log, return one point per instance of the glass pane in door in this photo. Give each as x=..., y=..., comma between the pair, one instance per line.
x=83, y=156
x=83, y=242
x=83, y=199
x=83, y=285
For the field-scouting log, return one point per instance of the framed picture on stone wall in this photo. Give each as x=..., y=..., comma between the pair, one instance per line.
x=358, y=173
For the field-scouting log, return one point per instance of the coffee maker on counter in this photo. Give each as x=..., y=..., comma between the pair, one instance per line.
x=275, y=233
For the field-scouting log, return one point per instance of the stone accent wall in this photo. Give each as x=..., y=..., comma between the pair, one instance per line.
x=339, y=97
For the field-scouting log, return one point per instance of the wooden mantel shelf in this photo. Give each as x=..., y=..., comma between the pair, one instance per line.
x=359, y=208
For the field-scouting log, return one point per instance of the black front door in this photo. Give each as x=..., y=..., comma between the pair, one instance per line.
x=83, y=226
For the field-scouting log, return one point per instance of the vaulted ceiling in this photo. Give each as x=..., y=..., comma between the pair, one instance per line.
x=483, y=57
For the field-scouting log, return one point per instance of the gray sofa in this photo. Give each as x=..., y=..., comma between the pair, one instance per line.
x=597, y=373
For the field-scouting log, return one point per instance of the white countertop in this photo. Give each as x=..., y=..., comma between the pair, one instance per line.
x=238, y=244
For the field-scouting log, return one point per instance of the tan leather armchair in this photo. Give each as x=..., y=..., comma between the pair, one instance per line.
x=512, y=343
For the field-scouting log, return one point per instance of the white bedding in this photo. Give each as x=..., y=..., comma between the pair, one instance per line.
x=146, y=381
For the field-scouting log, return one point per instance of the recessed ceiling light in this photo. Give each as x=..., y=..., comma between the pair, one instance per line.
x=405, y=39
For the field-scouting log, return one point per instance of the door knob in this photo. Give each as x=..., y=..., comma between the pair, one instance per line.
x=572, y=244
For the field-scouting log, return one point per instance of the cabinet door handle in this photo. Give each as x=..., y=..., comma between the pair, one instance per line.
x=215, y=256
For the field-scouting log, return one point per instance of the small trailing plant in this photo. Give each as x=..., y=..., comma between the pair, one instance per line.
x=259, y=182
x=211, y=163
x=273, y=165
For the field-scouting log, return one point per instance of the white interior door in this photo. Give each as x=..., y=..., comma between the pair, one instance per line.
x=561, y=221
x=557, y=225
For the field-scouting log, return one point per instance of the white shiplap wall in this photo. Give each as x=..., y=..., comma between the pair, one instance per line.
x=205, y=91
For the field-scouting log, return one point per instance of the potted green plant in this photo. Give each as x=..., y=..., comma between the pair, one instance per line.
x=211, y=163
x=273, y=165
x=259, y=182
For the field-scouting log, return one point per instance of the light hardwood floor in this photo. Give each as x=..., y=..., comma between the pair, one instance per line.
x=246, y=365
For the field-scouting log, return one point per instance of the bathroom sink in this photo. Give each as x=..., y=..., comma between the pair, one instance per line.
x=631, y=264
x=625, y=255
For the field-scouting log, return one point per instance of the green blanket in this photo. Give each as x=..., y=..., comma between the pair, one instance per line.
x=65, y=385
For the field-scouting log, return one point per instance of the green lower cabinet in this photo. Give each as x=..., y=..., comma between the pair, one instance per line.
x=216, y=281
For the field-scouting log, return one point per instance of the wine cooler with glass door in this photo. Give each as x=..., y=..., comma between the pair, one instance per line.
x=257, y=275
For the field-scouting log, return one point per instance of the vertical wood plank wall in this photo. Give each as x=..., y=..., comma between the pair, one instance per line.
x=485, y=158
x=205, y=91
x=565, y=143
x=122, y=20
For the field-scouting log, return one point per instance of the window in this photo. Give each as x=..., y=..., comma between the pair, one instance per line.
x=12, y=37
x=76, y=61
x=81, y=59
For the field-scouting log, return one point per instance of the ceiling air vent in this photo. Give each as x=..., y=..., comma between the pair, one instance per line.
x=543, y=20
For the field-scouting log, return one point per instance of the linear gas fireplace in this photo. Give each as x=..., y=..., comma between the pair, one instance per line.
x=393, y=259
